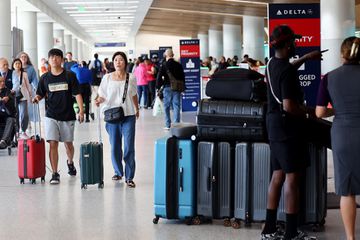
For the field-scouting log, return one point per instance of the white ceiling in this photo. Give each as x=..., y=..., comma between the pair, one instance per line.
x=94, y=21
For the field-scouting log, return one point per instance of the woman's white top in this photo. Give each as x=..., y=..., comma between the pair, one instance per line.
x=113, y=90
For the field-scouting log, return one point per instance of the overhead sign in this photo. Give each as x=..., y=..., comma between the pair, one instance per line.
x=303, y=19
x=154, y=54
x=118, y=44
x=190, y=60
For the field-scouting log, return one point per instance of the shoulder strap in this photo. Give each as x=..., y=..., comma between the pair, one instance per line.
x=125, y=87
x=269, y=80
x=21, y=77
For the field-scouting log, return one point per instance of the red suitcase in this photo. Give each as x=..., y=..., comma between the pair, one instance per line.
x=31, y=159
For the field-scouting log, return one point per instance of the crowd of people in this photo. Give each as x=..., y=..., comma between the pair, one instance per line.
x=133, y=84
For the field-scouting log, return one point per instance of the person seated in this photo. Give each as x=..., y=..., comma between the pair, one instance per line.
x=7, y=114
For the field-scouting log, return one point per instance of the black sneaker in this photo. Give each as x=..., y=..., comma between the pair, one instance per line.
x=55, y=179
x=92, y=116
x=72, y=169
x=302, y=236
x=278, y=235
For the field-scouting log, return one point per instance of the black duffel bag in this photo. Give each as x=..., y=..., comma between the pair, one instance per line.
x=237, y=84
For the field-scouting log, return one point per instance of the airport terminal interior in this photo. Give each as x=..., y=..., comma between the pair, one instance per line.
x=140, y=28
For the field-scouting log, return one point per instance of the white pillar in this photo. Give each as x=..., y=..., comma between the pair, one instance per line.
x=5, y=26
x=232, y=40
x=75, y=48
x=59, y=39
x=68, y=43
x=253, y=35
x=337, y=23
x=215, y=43
x=204, y=45
x=80, y=52
x=28, y=23
x=45, y=39
x=131, y=43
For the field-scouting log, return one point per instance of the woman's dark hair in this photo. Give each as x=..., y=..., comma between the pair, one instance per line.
x=350, y=49
x=123, y=55
x=17, y=60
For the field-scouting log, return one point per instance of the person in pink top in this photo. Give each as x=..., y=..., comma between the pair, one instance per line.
x=150, y=77
x=142, y=83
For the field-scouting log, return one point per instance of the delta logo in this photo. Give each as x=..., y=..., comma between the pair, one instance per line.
x=292, y=12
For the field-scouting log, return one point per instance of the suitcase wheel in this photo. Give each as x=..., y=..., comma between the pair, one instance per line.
x=43, y=179
x=155, y=220
x=236, y=224
x=22, y=181
x=33, y=181
x=196, y=220
x=83, y=186
x=101, y=185
x=9, y=151
x=227, y=222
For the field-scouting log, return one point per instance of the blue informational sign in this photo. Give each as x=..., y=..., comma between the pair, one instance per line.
x=118, y=44
x=154, y=54
x=304, y=19
x=190, y=60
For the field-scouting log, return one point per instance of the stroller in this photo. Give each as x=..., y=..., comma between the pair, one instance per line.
x=14, y=130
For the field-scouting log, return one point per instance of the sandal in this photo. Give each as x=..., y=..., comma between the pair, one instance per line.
x=130, y=184
x=116, y=178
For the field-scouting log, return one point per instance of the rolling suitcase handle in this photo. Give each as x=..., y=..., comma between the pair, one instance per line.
x=37, y=110
x=99, y=125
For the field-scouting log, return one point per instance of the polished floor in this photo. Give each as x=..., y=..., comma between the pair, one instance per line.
x=44, y=211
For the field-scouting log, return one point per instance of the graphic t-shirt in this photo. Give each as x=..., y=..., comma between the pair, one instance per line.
x=59, y=91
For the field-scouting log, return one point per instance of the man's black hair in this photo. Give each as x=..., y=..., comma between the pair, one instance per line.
x=55, y=52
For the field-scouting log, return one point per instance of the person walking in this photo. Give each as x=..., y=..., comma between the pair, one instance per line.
x=118, y=89
x=59, y=86
x=171, y=98
x=341, y=88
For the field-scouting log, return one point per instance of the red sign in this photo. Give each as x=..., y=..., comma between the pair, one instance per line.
x=189, y=51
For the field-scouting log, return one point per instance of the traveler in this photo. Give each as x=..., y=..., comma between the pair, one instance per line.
x=23, y=94
x=150, y=77
x=341, y=88
x=171, y=98
x=84, y=77
x=45, y=67
x=69, y=61
x=285, y=116
x=142, y=83
x=97, y=69
x=118, y=89
x=223, y=64
x=7, y=114
x=58, y=86
x=6, y=72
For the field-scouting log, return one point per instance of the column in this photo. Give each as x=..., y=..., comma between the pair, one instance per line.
x=59, y=39
x=232, y=40
x=45, y=39
x=80, y=51
x=337, y=23
x=253, y=35
x=215, y=43
x=68, y=43
x=131, y=43
x=204, y=45
x=75, y=48
x=28, y=23
x=5, y=26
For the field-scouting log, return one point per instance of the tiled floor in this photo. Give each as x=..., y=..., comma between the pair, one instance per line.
x=116, y=212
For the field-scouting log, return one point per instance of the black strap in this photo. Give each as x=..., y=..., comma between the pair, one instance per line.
x=125, y=88
x=21, y=77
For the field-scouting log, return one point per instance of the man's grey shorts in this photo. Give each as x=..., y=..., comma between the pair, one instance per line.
x=60, y=131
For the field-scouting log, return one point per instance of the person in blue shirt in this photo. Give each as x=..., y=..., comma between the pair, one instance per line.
x=85, y=78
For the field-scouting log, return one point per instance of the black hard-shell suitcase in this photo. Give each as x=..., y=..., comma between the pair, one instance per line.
x=231, y=120
x=252, y=177
x=183, y=130
x=237, y=84
x=313, y=192
x=215, y=179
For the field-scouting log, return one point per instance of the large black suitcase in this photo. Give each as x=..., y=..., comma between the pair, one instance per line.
x=313, y=190
x=215, y=181
x=252, y=177
x=231, y=120
x=237, y=84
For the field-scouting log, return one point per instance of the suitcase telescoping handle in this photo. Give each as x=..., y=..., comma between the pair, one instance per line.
x=209, y=181
x=36, y=111
x=99, y=124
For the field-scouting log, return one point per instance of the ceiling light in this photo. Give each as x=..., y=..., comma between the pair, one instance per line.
x=196, y=12
x=98, y=2
x=102, y=23
x=101, y=11
x=100, y=7
x=101, y=14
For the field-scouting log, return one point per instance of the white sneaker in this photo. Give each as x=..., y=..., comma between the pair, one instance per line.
x=166, y=128
x=23, y=136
